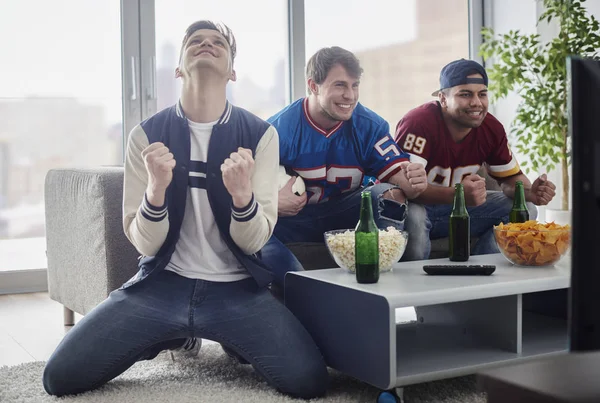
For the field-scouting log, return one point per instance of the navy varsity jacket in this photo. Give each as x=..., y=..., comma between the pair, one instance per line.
x=235, y=128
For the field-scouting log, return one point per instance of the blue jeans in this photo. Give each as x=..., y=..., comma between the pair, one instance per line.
x=135, y=323
x=428, y=222
x=315, y=219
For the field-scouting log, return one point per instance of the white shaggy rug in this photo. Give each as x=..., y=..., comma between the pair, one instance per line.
x=213, y=377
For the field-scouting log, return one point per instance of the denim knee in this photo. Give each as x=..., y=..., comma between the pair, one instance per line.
x=498, y=205
x=307, y=380
x=387, y=212
x=55, y=382
x=279, y=259
x=49, y=382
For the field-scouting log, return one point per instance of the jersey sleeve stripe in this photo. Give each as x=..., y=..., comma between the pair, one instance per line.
x=506, y=167
x=505, y=174
x=389, y=171
x=502, y=171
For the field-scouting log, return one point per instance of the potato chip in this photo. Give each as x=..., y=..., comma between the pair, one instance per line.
x=532, y=243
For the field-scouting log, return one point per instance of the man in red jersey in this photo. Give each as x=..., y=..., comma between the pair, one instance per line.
x=453, y=138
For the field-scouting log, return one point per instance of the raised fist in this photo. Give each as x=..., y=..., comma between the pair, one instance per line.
x=237, y=173
x=542, y=191
x=159, y=163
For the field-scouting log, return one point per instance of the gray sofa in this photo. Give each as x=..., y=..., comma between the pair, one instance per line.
x=88, y=253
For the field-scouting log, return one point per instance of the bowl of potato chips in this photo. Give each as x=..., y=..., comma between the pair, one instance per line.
x=532, y=243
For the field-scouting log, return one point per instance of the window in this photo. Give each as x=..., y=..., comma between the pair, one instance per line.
x=60, y=106
x=260, y=29
x=62, y=79
x=402, y=45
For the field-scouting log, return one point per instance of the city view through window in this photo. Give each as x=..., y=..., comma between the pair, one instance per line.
x=60, y=80
x=60, y=106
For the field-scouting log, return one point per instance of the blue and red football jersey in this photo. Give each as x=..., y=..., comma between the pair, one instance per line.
x=335, y=161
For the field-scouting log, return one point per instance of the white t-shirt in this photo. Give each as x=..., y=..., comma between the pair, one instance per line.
x=201, y=252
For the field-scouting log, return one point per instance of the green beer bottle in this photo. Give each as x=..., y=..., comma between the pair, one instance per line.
x=366, y=243
x=519, y=212
x=460, y=228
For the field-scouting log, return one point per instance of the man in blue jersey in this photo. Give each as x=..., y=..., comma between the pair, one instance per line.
x=332, y=142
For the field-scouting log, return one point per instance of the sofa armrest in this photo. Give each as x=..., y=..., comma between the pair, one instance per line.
x=88, y=253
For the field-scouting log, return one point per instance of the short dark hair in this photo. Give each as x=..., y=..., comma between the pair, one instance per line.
x=320, y=63
x=206, y=24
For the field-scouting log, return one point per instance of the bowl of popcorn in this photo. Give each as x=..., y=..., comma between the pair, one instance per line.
x=532, y=243
x=392, y=243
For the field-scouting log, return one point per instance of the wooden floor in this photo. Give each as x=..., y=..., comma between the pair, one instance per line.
x=31, y=326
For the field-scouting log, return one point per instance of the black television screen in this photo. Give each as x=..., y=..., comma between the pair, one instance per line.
x=584, y=129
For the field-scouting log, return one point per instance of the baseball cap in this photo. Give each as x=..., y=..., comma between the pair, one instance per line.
x=456, y=72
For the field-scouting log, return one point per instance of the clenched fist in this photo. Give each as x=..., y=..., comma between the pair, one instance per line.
x=416, y=175
x=411, y=178
x=159, y=163
x=475, y=191
x=542, y=191
x=237, y=173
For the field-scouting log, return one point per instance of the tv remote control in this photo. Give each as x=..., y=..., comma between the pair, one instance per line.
x=459, y=269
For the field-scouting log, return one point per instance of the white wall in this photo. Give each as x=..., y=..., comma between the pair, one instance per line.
x=522, y=15
x=503, y=19
x=505, y=16
x=593, y=6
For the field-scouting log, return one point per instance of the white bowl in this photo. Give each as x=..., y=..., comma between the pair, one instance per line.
x=392, y=244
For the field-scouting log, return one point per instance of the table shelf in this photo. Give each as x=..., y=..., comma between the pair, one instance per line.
x=463, y=325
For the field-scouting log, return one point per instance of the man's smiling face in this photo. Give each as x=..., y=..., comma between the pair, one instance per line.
x=337, y=95
x=466, y=104
x=206, y=48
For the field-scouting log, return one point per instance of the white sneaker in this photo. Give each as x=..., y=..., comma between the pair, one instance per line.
x=190, y=349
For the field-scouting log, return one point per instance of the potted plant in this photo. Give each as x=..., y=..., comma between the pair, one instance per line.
x=537, y=72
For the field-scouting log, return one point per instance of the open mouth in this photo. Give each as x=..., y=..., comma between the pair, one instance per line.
x=345, y=106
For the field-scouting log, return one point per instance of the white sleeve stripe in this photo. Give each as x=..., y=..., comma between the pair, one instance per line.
x=387, y=171
x=146, y=208
x=151, y=208
x=153, y=214
x=245, y=213
x=502, y=168
x=152, y=217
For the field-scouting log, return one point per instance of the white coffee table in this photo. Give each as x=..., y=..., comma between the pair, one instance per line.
x=464, y=323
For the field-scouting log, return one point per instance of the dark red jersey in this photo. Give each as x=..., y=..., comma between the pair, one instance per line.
x=423, y=134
